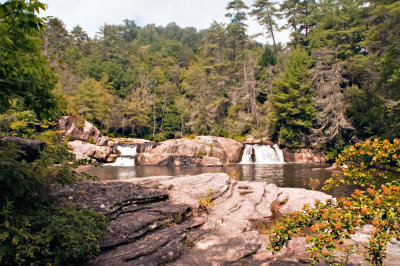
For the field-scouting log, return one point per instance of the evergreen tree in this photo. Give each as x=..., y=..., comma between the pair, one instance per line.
x=267, y=14
x=293, y=113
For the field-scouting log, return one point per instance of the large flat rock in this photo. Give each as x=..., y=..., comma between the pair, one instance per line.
x=157, y=220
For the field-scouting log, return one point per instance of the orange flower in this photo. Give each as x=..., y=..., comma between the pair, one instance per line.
x=348, y=203
x=377, y=201
x=364, y=211
x=357, y=192
x=335, y=216
x=338, y=226
x=395, y=188
x=375, y=222
x=314, y=229
x=387, y=191
x=342, y=200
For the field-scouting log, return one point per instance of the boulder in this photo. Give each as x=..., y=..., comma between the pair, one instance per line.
x=102, y=141
x=304, y=156
x=77, y=129
x=30, y=147
x=87, y=140
x=83, y=150
x=202, y=150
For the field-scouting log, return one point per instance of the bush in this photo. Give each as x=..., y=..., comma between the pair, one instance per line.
x=33, y=229
x=373, y=166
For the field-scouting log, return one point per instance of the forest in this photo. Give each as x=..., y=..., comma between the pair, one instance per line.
x=336, y=82
x=335, y=87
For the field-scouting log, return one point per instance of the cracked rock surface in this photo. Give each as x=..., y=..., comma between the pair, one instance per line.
x=155, y=221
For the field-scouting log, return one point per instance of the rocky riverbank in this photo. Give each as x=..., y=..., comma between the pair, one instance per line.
x=157, y=220
x=86, y=141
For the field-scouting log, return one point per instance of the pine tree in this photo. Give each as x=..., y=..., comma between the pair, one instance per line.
x=267, y=14
x=293, y=114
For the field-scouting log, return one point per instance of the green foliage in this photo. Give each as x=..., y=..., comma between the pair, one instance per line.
x=33, y=228
x=374, y=166
x=40, y=234
x=170, y=81
x=293, y=113
x=206, y=202
x=24, y=74
x=268, y=57
x=18, y=123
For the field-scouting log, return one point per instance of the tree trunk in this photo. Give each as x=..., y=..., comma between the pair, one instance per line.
x=273, y=38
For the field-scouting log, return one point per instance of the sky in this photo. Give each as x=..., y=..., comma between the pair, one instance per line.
x=92, y=14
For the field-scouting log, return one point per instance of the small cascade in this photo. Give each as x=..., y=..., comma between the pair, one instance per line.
x=127, y=156
x=262, y=154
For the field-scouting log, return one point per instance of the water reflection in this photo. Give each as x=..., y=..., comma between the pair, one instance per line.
x=283, y=175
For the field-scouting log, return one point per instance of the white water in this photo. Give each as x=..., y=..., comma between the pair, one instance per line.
x=127, y=156
x=262, y=154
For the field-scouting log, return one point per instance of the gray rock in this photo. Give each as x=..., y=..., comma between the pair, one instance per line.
x=30, y=147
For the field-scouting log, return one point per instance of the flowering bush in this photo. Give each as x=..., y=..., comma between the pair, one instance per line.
x=374, y=166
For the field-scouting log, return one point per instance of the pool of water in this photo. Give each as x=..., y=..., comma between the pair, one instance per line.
x=283, y=175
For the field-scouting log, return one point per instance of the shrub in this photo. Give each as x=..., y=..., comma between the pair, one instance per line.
x=33, y=228
x=374, y=167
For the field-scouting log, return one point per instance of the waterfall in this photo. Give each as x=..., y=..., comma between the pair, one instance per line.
x=262, y=154
x=127, y=156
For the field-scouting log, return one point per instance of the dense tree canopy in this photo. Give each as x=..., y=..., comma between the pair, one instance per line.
x=334, y=83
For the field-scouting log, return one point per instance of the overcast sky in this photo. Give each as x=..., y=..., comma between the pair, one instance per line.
x=92, y=14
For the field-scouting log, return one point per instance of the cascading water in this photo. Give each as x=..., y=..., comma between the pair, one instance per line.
x=127, y=156
x=262, y=154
